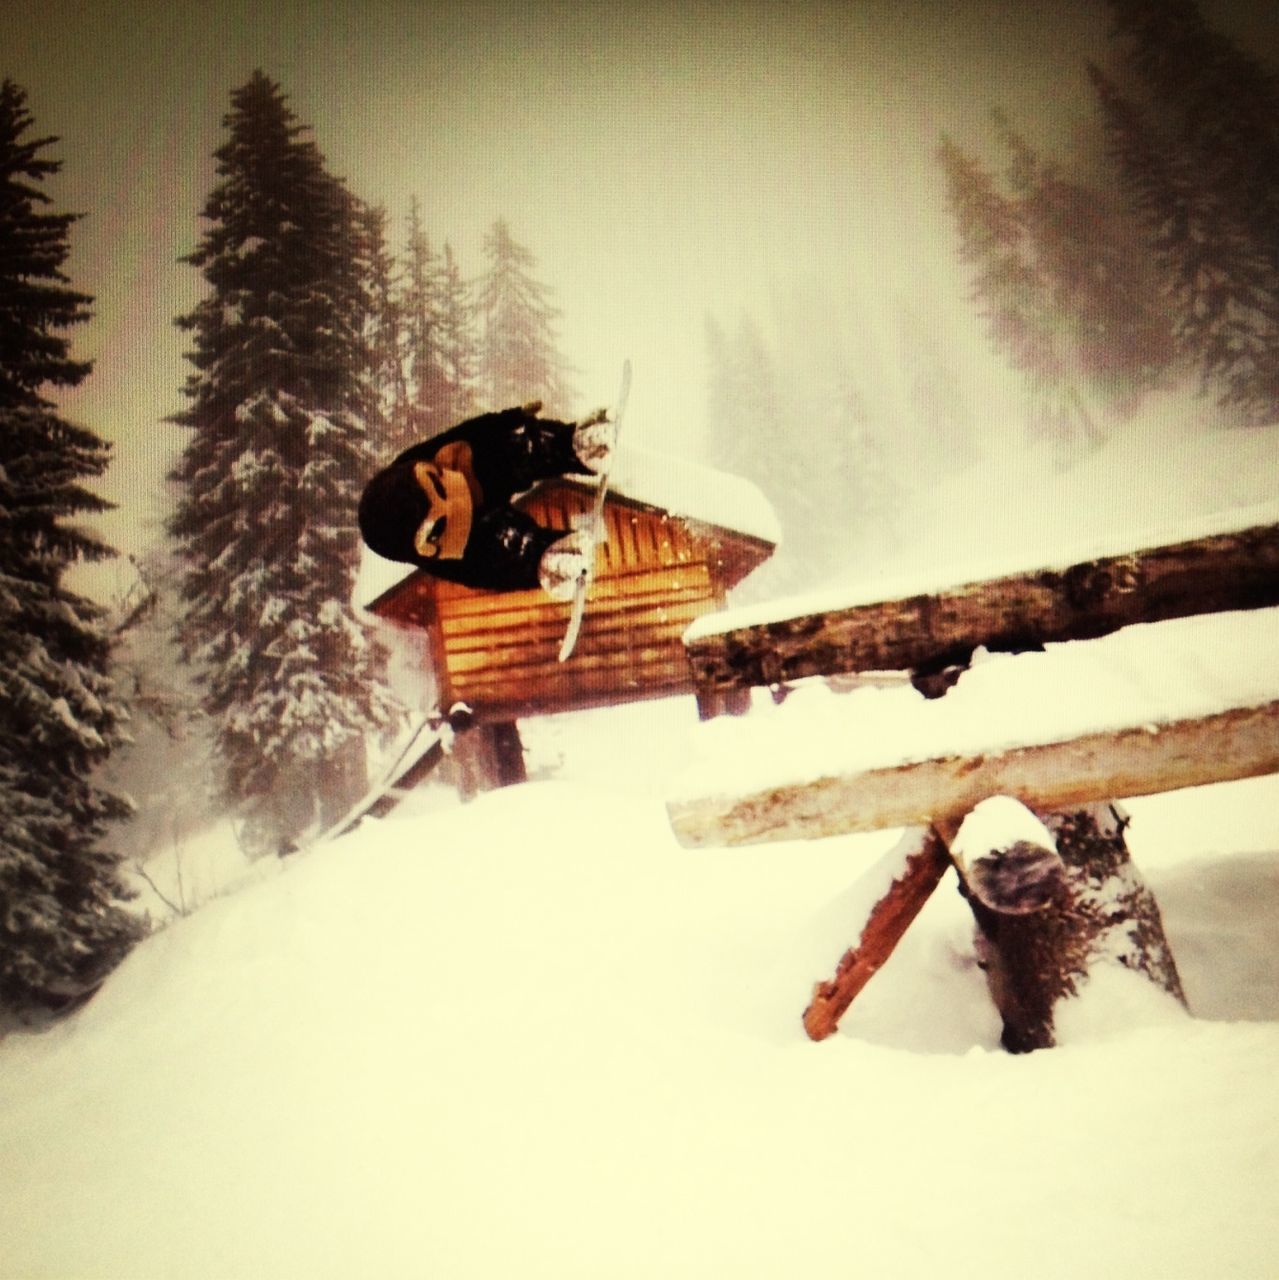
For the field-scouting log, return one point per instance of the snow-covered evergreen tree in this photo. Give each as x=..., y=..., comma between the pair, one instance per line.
x=62, y=926
x=279, y=404
x=785, y=421
x=519, y=355
x=165, y=766
x=745, y=409
x=1007, y=288
x=418, y=312
x=1102, y=284
x=939, y=434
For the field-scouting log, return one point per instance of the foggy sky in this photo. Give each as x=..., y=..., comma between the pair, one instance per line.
x=661, y=160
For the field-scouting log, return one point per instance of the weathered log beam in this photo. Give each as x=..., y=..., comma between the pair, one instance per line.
x=1241, y=742
x=924, y=861
x=929, y=633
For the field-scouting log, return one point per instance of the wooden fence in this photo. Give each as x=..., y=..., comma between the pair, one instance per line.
x=1038, y=951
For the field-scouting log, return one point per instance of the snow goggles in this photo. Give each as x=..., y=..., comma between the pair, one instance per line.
x=445, y=528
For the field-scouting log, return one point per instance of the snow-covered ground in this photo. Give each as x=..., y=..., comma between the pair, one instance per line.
x=532, y=1036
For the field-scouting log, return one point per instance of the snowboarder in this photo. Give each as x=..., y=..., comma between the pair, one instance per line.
x=445, y=504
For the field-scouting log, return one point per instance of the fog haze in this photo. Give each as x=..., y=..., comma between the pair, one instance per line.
x=664, y=162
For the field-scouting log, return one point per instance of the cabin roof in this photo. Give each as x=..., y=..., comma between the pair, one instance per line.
x=661, y=481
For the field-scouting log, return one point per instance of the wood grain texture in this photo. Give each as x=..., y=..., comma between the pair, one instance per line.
x=924, y=863
x=1143, y=760
x=928, y=633
x=498, y=651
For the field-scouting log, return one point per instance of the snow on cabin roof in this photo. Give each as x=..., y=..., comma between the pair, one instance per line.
x=698, y=492
x=662, y=481
x=376, y=576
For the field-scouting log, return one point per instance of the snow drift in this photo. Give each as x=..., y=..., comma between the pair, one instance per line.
x=532, y=1037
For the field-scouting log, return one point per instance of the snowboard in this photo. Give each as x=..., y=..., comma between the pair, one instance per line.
x=595, y=525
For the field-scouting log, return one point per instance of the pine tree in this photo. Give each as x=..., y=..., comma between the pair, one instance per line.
x=1067, y=281
x=1101, y=280
x=418, y=308
x=758, y=431
x=385, y=328
x=62, y=926
x=1197, y=159
x=1009, y=287
x=165, y=764
x=456, y=341
x=519, y=357
x=746, y=408
x=279, y=404
x=440, y=341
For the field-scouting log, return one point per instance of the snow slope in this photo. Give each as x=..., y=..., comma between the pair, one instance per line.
x=532, y=1037
x=1163, y=477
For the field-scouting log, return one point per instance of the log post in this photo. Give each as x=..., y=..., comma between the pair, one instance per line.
x=490, y=756
x=924, y=860
x=723, y=702
x=1050, y=907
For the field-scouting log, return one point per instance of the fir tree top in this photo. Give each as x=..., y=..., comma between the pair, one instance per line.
x=33, y=248
x=520, y=359
x=42, y=457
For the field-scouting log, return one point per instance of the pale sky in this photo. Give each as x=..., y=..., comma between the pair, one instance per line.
x=661, y=160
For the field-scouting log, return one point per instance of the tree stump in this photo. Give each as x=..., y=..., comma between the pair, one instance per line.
x=1046, y=916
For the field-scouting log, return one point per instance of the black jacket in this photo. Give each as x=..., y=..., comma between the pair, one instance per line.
x=511, y=452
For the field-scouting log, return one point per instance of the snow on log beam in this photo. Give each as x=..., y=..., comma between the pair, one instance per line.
x=930, y=632
x=1145, y=759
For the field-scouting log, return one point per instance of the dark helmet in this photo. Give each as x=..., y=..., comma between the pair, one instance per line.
x=392, y=507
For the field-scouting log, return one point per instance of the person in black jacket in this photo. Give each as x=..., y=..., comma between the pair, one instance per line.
x=445, y=504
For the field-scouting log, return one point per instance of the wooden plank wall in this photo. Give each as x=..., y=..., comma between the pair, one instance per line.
x=652, y=580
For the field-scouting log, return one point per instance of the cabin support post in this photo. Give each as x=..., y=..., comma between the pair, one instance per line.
x=508, y=753
x=491, y=755
x=722, y=702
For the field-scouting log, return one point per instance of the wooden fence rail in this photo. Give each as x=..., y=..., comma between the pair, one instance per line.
x=1144, y=759
x=931, y=635
x=1040, y=917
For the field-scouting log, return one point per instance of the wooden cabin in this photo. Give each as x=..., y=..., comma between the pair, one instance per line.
x=679, y=537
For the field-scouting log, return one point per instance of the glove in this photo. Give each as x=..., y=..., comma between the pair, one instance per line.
x=593, y=440
x=564, y=564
